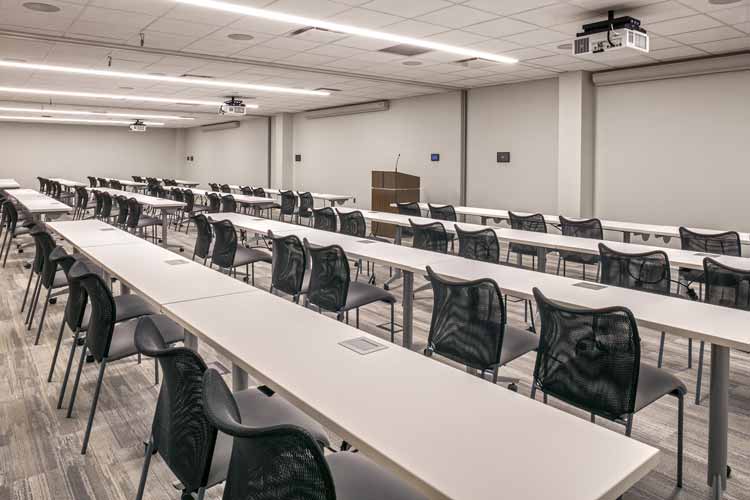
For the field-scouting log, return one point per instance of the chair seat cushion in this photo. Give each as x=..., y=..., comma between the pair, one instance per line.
x=357, y=478
x=259, y=410
x=653, y=383
x=516, y=343
x=361, y=294
x=245, y=255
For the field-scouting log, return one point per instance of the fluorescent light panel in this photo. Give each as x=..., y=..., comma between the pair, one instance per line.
x=73, y=120
x=118, y=97
x=159, y=78
x=350, y=30
x=92, y=113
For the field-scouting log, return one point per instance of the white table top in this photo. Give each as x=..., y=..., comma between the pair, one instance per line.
x=677, y=257
x=489, y=439
x=35, y=202
x=9, y=184
x=93, y=233
x=68, y=183
x=610, y=225
x=149, y=201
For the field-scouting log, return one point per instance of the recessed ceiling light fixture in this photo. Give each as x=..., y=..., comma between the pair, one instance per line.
x=92, y=113
x=158, y=78
x=240, y=36
x=350, y=30
x=41, y=7
x=117, y=97
x=73, y=120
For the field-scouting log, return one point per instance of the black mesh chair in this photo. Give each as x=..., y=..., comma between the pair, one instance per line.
x=137, y=222
x=648, y=272
x=203, y=240
x=107, y=340
x=228, y=204
x=76, y=316
x=431, y=236
x=331, y=288
x=50, y=278
x=288, y=266
x=478, y=245
x=724, y=286
x=534, y=223
x=306, y=206
x=469, y=326
x=228, y=254
x=214, y=203
x=288, y=205
x=591, y=359
x=726, y=243
x=585, y=228
x=284, y=461
x=325, y=219
x=182, y=435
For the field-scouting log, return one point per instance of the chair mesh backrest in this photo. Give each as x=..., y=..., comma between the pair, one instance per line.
x=134, y=213
x=443, y=212
x=306, y=204
x=288, y=264
x=325, y=219
x=353, y=223
x=205, y=235
x=586, y=228
x=122, y=209
x=726, y=286
x=228, y=204
x=468, y=321
x=225, y=188
x=182, y=434
x=647, y=271
x=588, y=357
x=106, y=205
x=75, y=306
x=430, y=236
x=225, y=244
x=103, y=311
x=534, y=222
x=288, y=202
x=329, y=277
x=727, y=243
x=478, y=245
x=279, y=462
x=214, y=203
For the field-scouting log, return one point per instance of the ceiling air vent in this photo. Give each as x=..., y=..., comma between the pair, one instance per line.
x=405, y=50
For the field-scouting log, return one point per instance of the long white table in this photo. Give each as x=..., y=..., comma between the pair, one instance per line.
x=9, y=184
x=480, y=430
x=724, y=328
x=626, y=228
x=164, y=205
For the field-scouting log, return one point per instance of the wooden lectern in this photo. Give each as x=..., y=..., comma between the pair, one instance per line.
x=391, y=187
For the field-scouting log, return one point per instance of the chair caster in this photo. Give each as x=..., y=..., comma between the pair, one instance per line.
x=53, y=301
x=513, y=387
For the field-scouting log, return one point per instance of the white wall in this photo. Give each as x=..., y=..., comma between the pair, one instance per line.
x=339, y=153
x=233, y=156
x=520, y=118
x=675, y=151
x=76, y=151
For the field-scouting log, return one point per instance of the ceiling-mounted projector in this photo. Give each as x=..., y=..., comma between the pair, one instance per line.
x=613, y=34
x=233, y=106
x=138, y=126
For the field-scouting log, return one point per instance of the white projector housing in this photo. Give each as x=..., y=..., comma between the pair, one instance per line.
x=606, y=41
x=233, y=107
x=138, y=126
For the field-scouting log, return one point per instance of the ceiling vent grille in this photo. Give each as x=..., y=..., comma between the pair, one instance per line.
x=405, y=49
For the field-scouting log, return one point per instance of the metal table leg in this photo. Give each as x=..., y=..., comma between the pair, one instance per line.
x=408, y=312
x=396, y=275
x=239, y=378
x=718, y=421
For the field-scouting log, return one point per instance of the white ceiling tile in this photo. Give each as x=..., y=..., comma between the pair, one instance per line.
x=500, y=27
x=410, y=8
x=552, y=14
x=457, y=16
x=507, y=7
x=709, y=35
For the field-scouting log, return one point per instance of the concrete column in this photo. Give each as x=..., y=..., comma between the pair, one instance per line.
x=282, y=151
x=575, y=164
